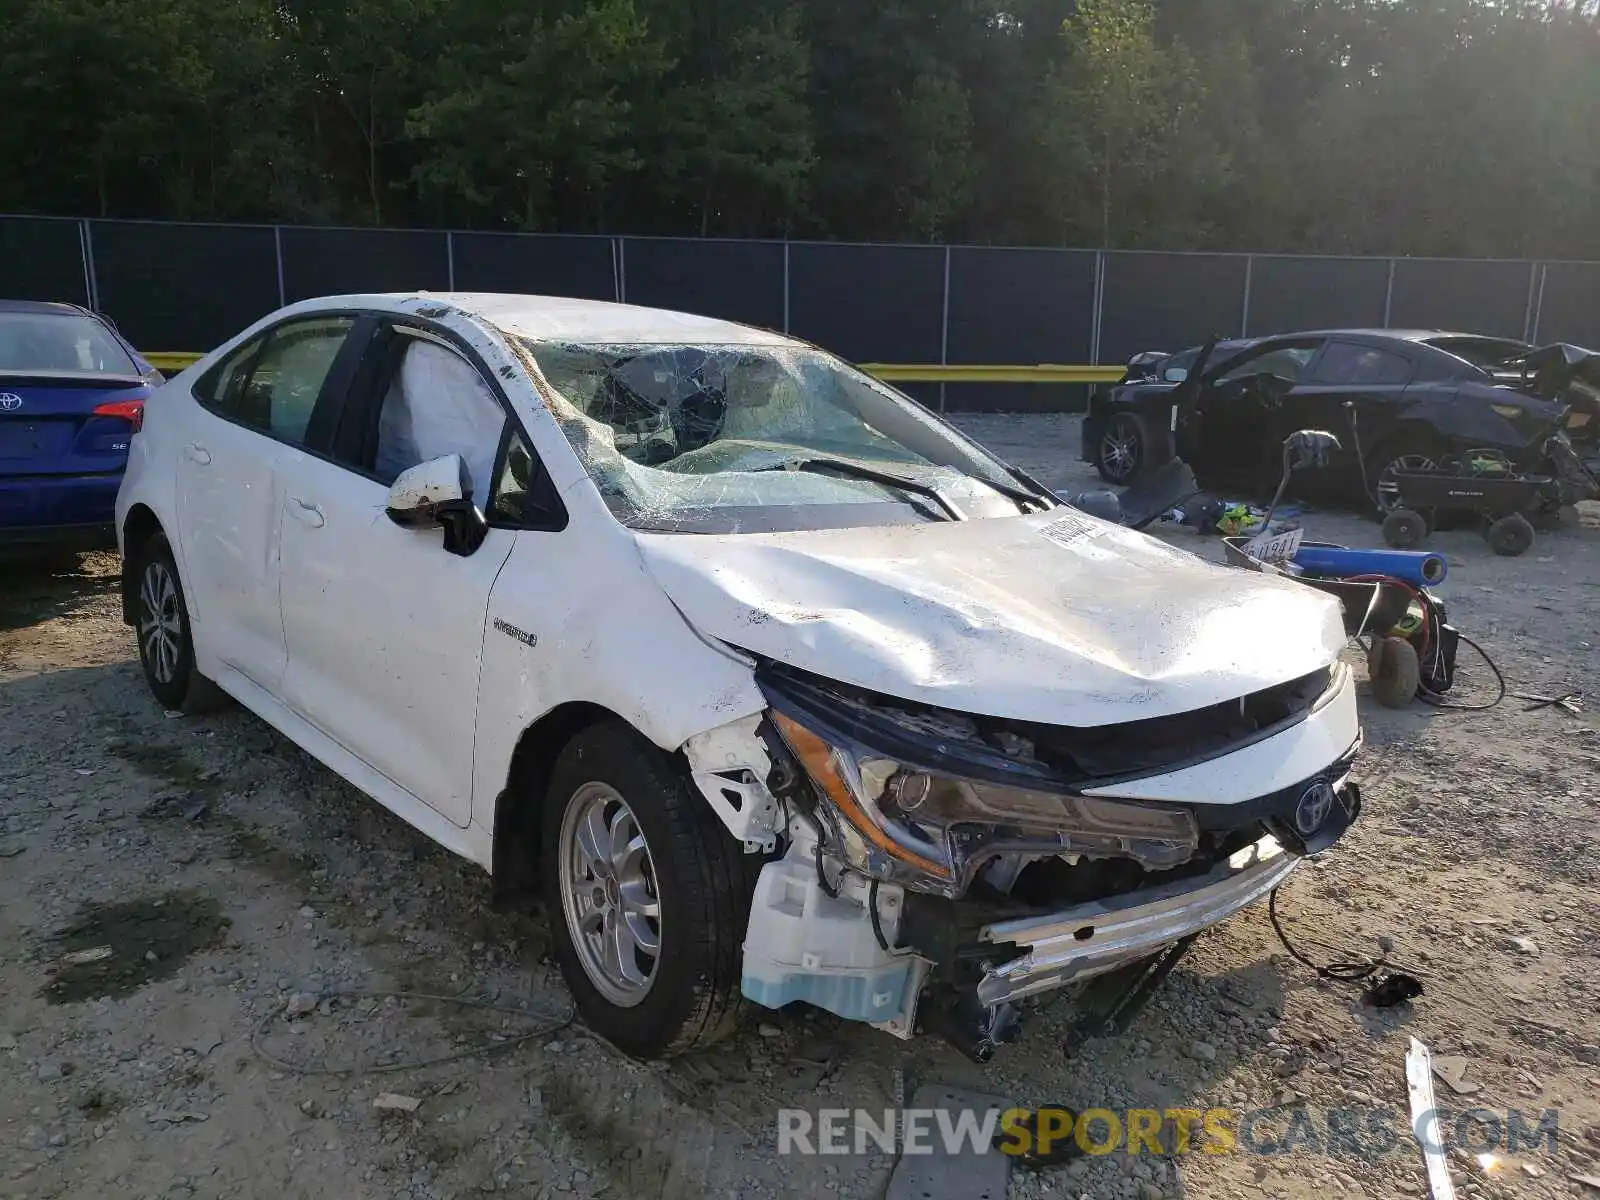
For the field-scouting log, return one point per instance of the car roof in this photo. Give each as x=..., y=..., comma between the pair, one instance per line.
x=563, y=318
x=43, y=306
x=1387, y=335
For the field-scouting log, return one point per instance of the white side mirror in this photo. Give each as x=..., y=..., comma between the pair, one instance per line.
x=415, y=496
x=435, y=493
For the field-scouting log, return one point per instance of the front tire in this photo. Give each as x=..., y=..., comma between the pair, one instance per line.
x=647, y=896
x=1123, y=450
x=166, y=638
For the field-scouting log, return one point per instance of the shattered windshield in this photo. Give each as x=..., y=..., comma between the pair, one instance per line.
x=748, y=437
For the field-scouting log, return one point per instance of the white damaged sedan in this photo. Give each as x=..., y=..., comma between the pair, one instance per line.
x=773, y=685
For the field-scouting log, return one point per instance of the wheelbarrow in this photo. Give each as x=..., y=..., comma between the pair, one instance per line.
x=1485, y=483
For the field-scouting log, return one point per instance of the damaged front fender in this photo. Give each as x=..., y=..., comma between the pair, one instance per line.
x=730, y=766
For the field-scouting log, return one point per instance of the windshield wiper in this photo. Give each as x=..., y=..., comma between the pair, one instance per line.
x=855, y=470
x=1037, y=493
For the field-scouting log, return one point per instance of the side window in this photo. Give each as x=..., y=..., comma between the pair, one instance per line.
x=512, y=489
x=1285, y=362
x=274, y=387
x=1349, y=364
x=221, y=387
x=283, y=388
x=438, y=404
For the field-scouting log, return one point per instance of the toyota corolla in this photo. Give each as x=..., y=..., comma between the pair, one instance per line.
x=772, y=685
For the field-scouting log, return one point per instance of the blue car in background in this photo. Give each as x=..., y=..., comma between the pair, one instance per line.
x=72, y=395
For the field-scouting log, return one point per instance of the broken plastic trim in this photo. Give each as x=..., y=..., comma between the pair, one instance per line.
x=1091, y=939
x=730, y=765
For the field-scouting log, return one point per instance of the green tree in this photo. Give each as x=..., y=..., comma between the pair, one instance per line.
x=1361, y=126
x=368, y=62
x=96, y=92
x=533, y=120
x=1113, y=122
x=731, y=144
x=935, y=165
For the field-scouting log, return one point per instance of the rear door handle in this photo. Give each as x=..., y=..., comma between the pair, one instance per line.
x=198, y=453
x=306, y=514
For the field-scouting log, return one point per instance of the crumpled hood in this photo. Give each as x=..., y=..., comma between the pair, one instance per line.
x=1055, y=617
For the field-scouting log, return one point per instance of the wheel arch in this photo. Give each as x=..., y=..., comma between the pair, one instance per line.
x=138, y=527
x=514, y=863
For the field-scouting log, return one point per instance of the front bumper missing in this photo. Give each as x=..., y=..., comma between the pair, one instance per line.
x=1090, y=939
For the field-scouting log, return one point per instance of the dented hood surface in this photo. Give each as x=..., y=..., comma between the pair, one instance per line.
x=1055, y=617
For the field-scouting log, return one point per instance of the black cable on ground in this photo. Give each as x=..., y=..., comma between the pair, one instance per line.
x=1341, y=972
x=546, y=1028
x=1439, y=701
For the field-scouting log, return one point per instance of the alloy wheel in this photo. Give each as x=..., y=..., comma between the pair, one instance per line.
x=160, y=622
x=1119, y=452
x=1388, y=488
x=608, y=894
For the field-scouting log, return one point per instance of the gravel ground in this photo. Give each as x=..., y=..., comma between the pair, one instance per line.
x=263, y=915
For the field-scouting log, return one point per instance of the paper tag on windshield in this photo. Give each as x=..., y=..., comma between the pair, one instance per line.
x=1278, y=548
x=1071, y=527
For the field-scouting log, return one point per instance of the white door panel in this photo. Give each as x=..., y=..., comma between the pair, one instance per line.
x=228, y=517
x=384, y=631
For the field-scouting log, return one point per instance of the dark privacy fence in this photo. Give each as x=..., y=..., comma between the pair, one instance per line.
x=174, y=287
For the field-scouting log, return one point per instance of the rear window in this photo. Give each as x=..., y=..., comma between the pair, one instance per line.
x=60, y=343
x=1489, y=354
x=1349, y=364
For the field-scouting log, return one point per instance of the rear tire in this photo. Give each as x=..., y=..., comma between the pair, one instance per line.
x=1409, y=452
x=1511, y=536
x=1124, y=450
x=649, y=931
x=166, y=638
x=1404, y=529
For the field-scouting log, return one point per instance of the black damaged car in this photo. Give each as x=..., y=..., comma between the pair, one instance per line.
x=1398, y=400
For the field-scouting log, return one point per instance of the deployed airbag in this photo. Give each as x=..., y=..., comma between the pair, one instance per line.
x=438, y=404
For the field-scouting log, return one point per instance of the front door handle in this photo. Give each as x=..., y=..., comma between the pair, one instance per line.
x=198, y=453
x=305, y=513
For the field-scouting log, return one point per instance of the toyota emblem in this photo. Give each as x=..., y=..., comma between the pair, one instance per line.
x=1313, y=808
x=10, y=402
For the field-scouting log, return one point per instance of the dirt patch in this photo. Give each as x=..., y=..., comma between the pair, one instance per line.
x=113, y=950
x=51, y=590
x=266, y=855
x=170, y=764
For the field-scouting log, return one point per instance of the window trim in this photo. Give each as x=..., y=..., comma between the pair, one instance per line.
x=364, y=400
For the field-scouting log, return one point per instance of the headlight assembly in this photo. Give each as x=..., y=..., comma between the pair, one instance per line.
x=932, y=831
